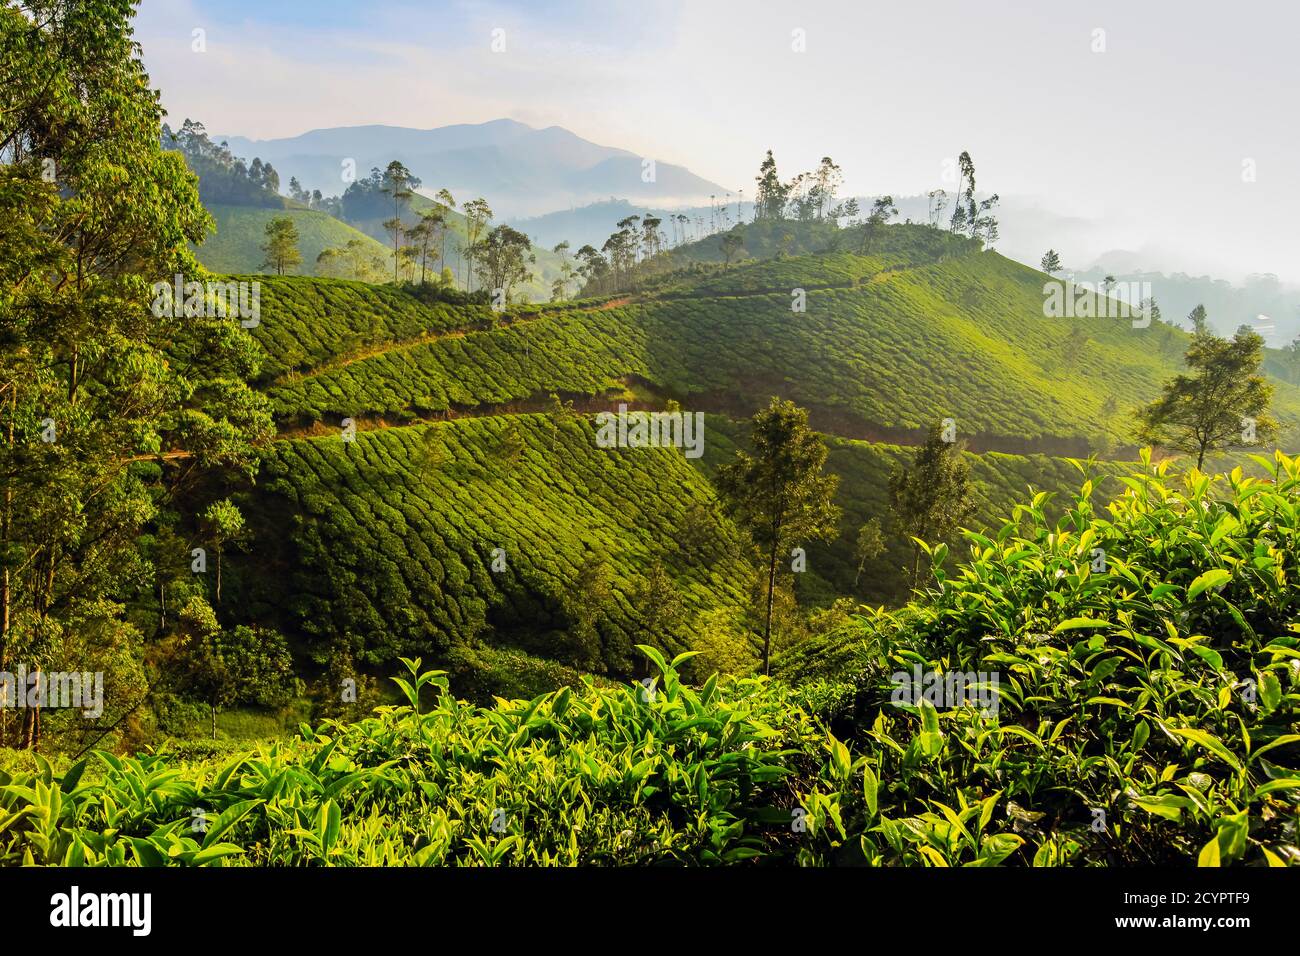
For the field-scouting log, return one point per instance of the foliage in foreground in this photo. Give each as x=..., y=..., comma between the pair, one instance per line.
x=1149, y=692
x=624, y=775
x=1162, y=690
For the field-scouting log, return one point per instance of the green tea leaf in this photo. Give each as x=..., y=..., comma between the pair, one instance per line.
x=931, y=736
x=1210, y=579
x=1210, y=743
x=870, y=790
x=1078, y=623
x=1209, y=855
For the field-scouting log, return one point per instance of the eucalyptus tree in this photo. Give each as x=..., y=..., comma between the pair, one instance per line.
x=113, y=401
x=399, y=185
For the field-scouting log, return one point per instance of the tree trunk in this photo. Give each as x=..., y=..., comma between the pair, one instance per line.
x=397, y=235
x=31, y=729
x=6, y=593
x=212, y=708
x=767, y=624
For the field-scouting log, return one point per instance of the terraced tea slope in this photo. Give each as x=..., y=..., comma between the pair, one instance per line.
x=392, y=544
x=882, y=349
x=414, y=549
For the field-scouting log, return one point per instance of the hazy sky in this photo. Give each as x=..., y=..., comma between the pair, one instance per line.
x=1150, y=136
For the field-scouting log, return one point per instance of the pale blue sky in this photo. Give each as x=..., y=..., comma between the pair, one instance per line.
x=1150, y=136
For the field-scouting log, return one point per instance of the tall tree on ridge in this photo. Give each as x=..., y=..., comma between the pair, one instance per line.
x=281, y=247
x=937, y=201
x=827, y=179
x=963, y=212
x=560, y=287
x=448, y=204
x=502, y=258
x=732, y=243
x=882, y=210
x=477, y=215
x=432, y=225
x=400, y=185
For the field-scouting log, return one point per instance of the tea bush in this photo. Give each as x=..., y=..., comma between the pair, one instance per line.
x=304, y=323
x=844, y=269
x=621, y=775
x=964, y=338
x=1147, y=711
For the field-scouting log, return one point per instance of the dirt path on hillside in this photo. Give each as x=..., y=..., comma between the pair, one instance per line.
x=833, y=422
x=617, y=302
x=403, y=345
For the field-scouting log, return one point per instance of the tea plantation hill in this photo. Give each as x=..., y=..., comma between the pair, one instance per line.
x=888, y=343
x=1119, y=689
x=464, y=521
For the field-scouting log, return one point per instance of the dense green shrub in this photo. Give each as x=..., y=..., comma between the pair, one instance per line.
x=622, y=775
x=1162, y=692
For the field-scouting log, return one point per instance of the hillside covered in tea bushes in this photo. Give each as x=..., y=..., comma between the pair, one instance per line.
x=420, y=538
x=391, y=538
x=886, y=345
x=240, y=232
x=475, y=440
x=378, y=575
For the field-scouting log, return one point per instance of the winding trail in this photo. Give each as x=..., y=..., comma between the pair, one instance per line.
x=829, y=421
x=616, y=301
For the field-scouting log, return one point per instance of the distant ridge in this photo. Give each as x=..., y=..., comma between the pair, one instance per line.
x=519, y=169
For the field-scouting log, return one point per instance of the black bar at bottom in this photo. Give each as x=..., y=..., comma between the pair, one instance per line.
x=336, y=906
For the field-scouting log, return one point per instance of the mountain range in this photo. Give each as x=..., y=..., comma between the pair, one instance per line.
x=519, y=169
